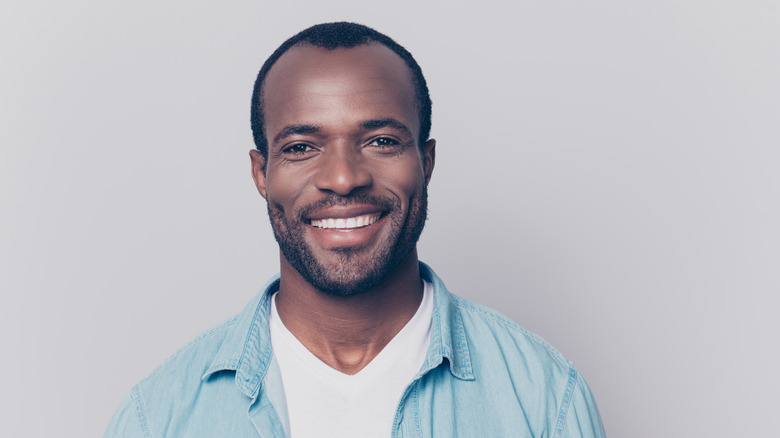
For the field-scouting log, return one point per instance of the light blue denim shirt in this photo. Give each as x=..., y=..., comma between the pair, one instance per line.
x=484, y=376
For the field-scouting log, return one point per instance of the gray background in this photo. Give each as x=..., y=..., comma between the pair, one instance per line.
x=606, y=176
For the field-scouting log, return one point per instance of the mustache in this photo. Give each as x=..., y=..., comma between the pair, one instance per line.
x=335, y=200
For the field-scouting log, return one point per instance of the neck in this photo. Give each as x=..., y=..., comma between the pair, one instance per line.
x=347, y=332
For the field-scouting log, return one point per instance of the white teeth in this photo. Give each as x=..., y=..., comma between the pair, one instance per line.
x=346, y=223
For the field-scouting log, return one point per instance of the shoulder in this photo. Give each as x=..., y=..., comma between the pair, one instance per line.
x=488, y=339
x=193, y=359
x=505, y=356
x=525, y=372
x=489, y=328
x=181, y=376
x=180, y=396
x=170, y=387
x=218, y=349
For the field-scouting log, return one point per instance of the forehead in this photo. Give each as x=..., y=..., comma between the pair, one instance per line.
x=312, y=85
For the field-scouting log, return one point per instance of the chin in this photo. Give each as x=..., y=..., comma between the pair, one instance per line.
x=350, y=274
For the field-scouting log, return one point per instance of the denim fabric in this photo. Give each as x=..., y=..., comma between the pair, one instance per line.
x=484, y=376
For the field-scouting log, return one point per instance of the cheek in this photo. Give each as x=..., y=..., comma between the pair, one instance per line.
x=404, y=181
x=282, y=189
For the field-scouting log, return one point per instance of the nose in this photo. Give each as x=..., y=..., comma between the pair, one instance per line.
x=342, y=170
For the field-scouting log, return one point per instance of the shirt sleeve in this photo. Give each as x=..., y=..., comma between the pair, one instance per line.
x=583, y=419
x=128, y=420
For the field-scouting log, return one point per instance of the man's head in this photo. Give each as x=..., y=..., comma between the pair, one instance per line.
x=331, y=36
x=343, y=169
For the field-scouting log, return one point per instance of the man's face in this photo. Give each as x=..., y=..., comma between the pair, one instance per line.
x=345, y=178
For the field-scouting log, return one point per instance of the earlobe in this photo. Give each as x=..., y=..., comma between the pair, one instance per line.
x=258, y=171
x=429, y=159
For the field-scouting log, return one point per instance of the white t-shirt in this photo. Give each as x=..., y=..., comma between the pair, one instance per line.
x=323, y=402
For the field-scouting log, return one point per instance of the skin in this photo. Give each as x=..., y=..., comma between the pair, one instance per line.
x=342, y=126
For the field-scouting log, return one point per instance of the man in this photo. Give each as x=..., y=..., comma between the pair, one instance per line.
x=355, y=337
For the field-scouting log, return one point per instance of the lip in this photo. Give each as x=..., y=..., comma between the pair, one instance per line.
x=341, y=238
x=344, y=212
x=346, y=223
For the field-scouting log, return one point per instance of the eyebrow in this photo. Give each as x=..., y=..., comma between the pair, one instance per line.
x=291, y=130
x=386, y=123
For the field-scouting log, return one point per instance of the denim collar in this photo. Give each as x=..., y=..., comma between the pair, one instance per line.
x=247, y=347
x=448, y=339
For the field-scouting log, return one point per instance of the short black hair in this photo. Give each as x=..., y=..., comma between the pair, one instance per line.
x=331, y=36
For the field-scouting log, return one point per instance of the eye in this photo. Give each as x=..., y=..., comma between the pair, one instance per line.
x=384, y=142
x=297, y=149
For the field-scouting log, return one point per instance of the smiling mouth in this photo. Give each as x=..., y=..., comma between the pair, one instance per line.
x=347, y=223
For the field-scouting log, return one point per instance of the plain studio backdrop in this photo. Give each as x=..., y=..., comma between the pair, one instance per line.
x=606, y=175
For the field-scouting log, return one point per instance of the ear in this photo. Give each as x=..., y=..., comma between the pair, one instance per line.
x=429, y=159
x=258, y=170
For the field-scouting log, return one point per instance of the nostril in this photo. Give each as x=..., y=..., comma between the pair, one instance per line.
x=342, y=177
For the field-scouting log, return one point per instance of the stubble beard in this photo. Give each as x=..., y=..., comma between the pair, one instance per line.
x=353, y=271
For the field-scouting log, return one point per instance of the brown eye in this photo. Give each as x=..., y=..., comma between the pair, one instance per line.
x=297, y=149
x=384, y=142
